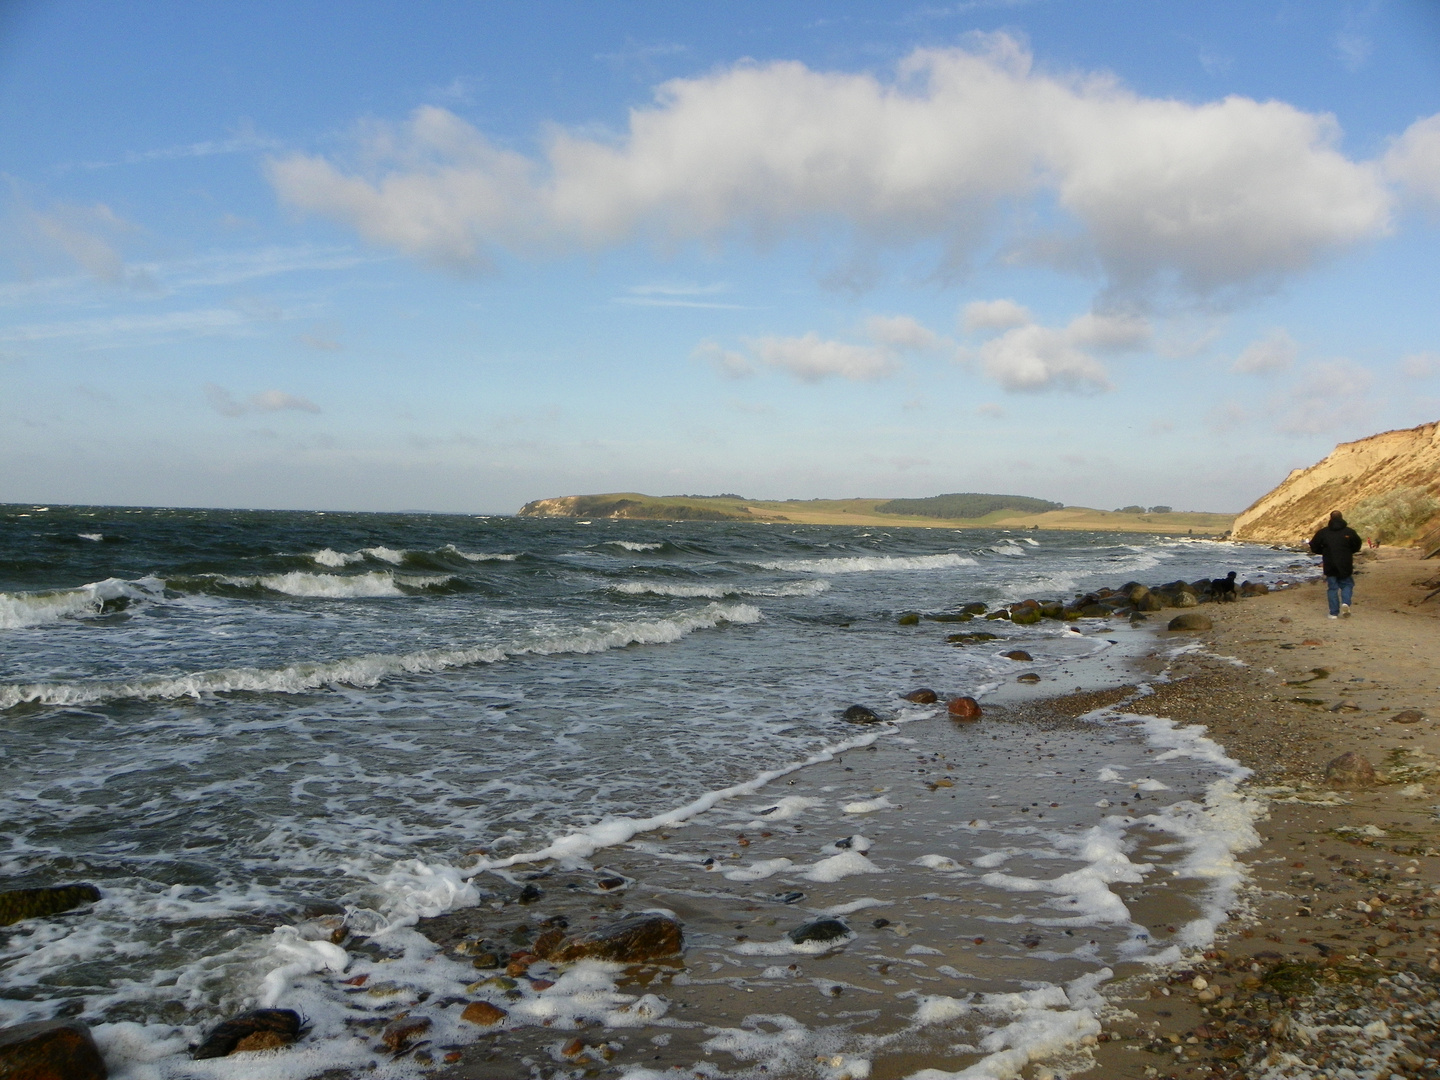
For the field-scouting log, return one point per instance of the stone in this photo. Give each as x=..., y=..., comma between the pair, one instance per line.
x=282, y=1026
x=859, y=714
x=964, y=708
x=1095, y=611
x=50, y=1050
x=1148, y=602
x=1253, y=588
x=1191, y=620
x=1052, y=609
x=1002, y=613
x=401, y=1032
x=949, y=616
x=634, y=939
x=20, y=904
x=1408, y=716
x=1018, y=654
x=923, y=696
x=1026, y=616
x=825, y=929
x=1183, y=598
x=972, y=638
x=1135, y=592
x=1350, y=771
x=1028, y=677
x=975, y=607
x=910, y=618
x=483, y=1013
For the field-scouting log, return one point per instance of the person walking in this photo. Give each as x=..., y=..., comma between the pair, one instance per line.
x=1336, y=544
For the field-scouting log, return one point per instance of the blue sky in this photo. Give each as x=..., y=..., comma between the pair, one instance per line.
x=455, y=256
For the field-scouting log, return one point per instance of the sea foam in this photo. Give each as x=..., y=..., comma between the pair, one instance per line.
x=865, y=564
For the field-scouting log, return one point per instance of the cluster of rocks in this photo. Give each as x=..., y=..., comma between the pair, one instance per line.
x=1131, y=599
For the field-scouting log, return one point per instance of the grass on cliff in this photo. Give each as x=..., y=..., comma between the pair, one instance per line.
x=1395, y=517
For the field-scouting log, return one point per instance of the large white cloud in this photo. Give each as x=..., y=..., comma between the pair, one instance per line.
x=1029, y=356
x=1205, y=196
x=1413, y=161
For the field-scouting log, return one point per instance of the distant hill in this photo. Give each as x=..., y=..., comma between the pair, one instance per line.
x=1002, y=512
x=1385, y=485
x=967, y=505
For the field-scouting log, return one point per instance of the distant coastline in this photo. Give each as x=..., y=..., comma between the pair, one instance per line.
x=635, y=506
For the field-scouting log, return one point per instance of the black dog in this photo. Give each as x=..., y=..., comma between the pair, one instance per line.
x=1223, y=588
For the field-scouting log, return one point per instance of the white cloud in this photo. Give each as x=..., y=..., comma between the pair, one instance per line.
x=1039, y=357
x=1413, y=160
x=86, y=234
x=1353, y=50
x=994, y=315
x=1207, y=197
x=1332, y=396
x=729, y=363
x=901, y=332
x=223, y=402
x=1109, y=331
x=1276, y=351
x=1421, y=365
x=812, y=358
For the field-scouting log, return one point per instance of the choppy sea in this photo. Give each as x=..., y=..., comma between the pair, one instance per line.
x=228, y=719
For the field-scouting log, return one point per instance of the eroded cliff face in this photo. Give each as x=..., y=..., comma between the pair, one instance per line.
x=1353, y=472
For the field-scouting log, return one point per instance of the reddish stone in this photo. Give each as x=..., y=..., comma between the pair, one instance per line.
x=50, y=1050
x=279, y=1027
x=1349, y=771
x=399, y=1034
x=631, y=940
x=483, y=1013
x=964, y=708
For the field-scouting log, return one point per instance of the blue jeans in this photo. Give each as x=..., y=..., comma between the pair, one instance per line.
x=1338, y=591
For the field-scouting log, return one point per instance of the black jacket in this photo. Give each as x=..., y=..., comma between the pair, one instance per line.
x=1336, y=544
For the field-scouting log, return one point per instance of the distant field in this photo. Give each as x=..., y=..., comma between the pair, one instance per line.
x=863, y=512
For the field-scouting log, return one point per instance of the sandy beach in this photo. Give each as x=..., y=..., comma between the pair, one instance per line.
x=1326, y=963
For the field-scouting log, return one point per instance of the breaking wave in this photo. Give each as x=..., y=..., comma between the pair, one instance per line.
x=719, y=592
x=365, y=671
x=863, y=564
x=36, y=608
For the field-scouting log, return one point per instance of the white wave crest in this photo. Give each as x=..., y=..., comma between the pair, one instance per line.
x=35, y=608
x=371, y=670
x=330, y=557
x=719, y=592
x=636, y=545
x=482, y=556
x=385, y=554
x=299, y=583
x=862, y=564
x=91, y=536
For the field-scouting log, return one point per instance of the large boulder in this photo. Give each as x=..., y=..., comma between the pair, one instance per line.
x=1191, y=620
x=35, y=903
x=1018, y=654
x=975, y=607
x=1253, y=588
x=50, y=1050
x=1349, y=772
x=910, y=618
x=634, y=939
x=259, y=1029
x=963, y=708
x=923, y=696
x=974, y=637
x=1183, y=598
x=1026, y=616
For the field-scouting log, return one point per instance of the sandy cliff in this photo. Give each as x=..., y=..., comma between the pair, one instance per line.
x=1353, y=472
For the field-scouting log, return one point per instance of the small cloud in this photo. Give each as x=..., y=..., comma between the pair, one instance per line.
x=812, y=359
x=1353, y=50
x=994, y=315
x=1331, y=396
x=915, y=404
x=1038, y=358
x=731, y=364
x=752, y=408
x=1421, y=365
x=320, y=344
x=1161, y=427
x=901, y=331
x=266, y=401
x=683, y=296
x=86, y=234
x=87, y=391
x=991, y=409
x=1214, y=63
x=1276, y=351
x=1227, y=417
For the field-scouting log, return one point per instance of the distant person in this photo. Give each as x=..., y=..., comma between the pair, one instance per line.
x=1336, y=544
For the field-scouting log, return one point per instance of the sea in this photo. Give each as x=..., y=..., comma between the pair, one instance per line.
x=234, y=722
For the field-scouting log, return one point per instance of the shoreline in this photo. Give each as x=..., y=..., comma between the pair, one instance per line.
x=1225, y=679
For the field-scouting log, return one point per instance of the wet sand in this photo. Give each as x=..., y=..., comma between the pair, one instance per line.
x=1300, y=926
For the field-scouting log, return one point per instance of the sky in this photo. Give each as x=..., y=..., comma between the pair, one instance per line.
x=458, y=256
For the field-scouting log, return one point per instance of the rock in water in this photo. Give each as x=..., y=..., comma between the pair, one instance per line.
x=923, y=696
x=36, y=903
x=828, y=929
x=483, y=1013
x=1018, y=654
x=964, y=708
x=859, y=714
x=401, y=1032
x=1350, y=771
x=631, y=940
x=50, y=1050
x=1028, y=677
x=259, y=1029
x=1191, y=620
x=910, y=618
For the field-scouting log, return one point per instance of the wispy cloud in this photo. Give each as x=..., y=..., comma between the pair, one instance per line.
x=113, y=330
x=266, y=401
x=245, y=142
x=681, y=296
